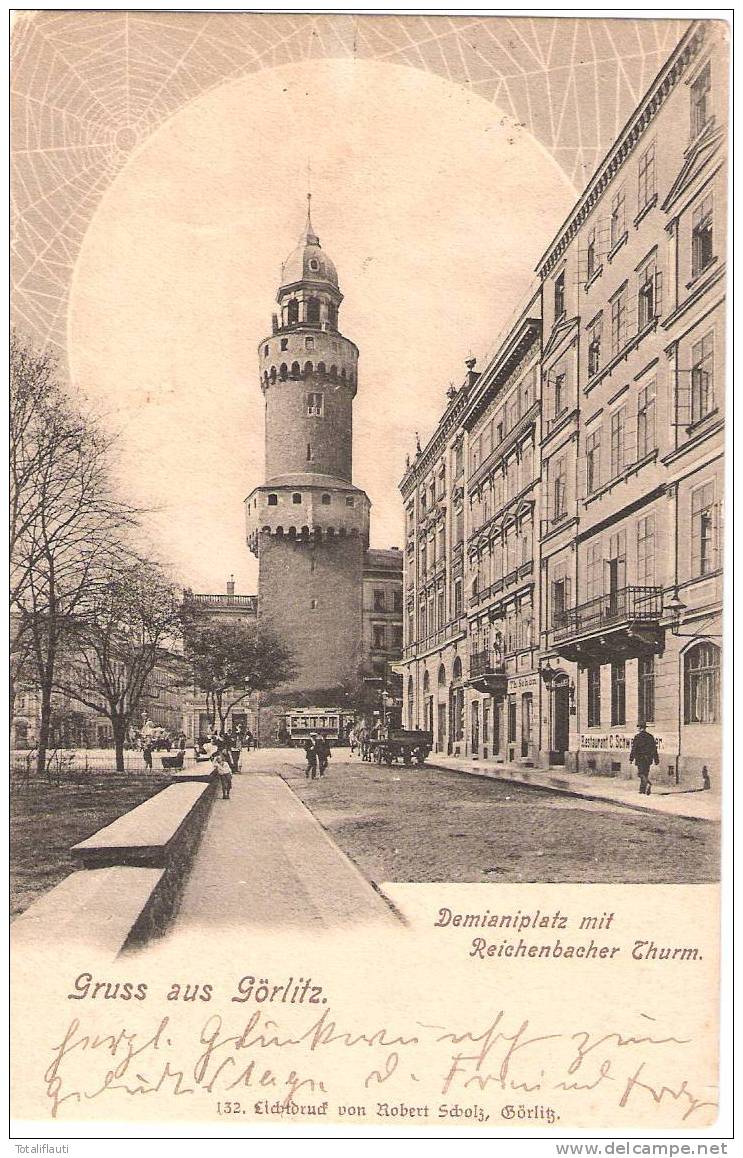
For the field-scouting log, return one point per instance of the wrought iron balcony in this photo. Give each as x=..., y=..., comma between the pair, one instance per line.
x=618, y=624
x=486, y=674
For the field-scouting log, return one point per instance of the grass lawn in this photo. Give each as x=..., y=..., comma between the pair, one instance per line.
x=46, y=819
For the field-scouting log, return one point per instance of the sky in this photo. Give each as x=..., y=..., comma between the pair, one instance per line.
x=435, y=208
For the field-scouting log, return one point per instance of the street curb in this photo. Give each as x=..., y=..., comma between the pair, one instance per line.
x=389, y=905
x=563, y=789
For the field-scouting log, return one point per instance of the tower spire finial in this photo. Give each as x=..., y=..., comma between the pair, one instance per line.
x=310, y=232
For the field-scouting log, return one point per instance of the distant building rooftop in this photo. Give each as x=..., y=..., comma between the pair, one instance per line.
x=383, y=560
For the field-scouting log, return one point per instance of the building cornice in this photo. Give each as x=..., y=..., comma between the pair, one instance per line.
x=422, y=462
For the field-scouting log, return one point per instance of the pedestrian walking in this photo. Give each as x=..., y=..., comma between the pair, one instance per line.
x=310, y=751
x=232, y=744
x=643, y=753
x=147, y=755
x=248, y=739
x=322, y=747
x=222, y=768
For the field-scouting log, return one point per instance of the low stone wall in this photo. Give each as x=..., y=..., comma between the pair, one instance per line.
x=131, y=877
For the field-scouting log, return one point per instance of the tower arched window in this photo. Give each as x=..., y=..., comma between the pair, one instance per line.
x=333, y=373
x=457, y=671
x=313, y=311
x=426, y=681
x=325, y=500
x=308, y=367
x=283, y=372
x=273, y=373
x=273, y=500
x=322, y=368
x=333, y=315
x=442, y=676
x=296, y=497
x=702, y=684
x=296, y=370
x=292, y=312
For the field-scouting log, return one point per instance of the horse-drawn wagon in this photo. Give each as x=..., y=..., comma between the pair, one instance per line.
x=406, y=745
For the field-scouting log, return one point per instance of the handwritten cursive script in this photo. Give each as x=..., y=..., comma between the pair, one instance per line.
x=307, y=1055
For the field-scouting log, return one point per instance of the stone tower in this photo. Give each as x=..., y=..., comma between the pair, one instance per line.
x=308, y=524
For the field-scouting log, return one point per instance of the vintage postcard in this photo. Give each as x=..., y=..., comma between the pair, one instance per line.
x=368, y=380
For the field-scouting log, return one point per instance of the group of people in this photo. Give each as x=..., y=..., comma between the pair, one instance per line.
x=317, y=750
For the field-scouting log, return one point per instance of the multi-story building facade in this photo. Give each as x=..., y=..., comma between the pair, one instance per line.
x=633, y=289
x=502, y=424
x=619, y=618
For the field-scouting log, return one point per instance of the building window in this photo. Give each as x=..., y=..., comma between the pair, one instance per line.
x=333, y=319
x=285, y=341
x=649, y=294
x=296, y=498
x=646, y=421
x=559, y=296
x=559, y=489
x=591, y=255
x=704, y=517
x=646, y=177
x=457, y=597
x=593, y=461
x=458, y=460
x=618, y=427
x=619, y=321
x=700, y=100
x=646, y=551
x=594, y=570
x=646, y=688
x=459, y=524
x=397, y=600
x=440, y=607
x=560, y=395
x=309, y=343
x=618, y=703
x=265, y=351
x=379, y=600
x=702, y=252
x=349, y=500
x=702, y=378
x=273, y=500
x=313, y=605
x=315, y=405
x=617, y=224
x=594, y=349
x=378, y=636
x=559, y=600
x=325, y=500
x=313, y=311
x=702, y=684
x=594, y=697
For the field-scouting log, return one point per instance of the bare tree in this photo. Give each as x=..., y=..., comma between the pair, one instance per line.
x=65, y=521
x=231, y=661
x=130, y=625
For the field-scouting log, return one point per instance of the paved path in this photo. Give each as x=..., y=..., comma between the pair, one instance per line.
x=264, y=861
x=691, y=805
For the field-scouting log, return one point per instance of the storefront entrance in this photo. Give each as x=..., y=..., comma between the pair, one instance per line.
x=560, y=718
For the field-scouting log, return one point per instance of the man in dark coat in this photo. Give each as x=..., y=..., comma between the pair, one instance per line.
x=322, y=747
x=310, y=751
x=643, y=753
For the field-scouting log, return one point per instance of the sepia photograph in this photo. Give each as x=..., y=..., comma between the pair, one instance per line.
x=367, y=473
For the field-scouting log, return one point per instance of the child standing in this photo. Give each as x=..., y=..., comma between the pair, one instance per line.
x=222, y=768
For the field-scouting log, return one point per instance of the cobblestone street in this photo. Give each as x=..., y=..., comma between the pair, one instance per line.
x=427, y=824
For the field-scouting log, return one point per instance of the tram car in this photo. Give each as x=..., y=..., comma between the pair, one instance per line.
x=333, y=724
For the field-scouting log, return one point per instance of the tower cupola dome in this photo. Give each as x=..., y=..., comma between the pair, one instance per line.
x=308, y=262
